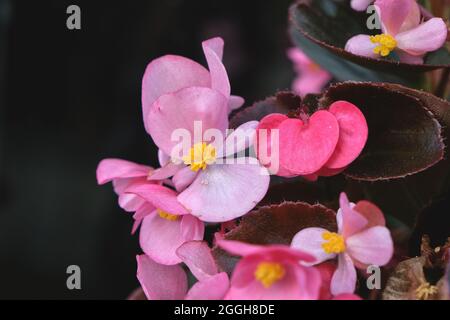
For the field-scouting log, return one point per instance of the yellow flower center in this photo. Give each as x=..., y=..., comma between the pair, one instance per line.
x=386, y=44
x=269, y=272
x=426, y=291
x=200, y=155
x=334, y=243
x=167, y=216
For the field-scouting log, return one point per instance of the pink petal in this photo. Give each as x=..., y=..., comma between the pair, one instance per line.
x=371, y=246
x=307, y=147
x=235, y=102
x=360, y=5
x=310, y=282
x=239, y=139
x=393, y=14
x=371, y=212
x=160, y=197
x=361, y=46
x=344, y=278
x=140, y=214
x=192, y=228
x=326, y=270
x=216, y=193
x=180, y=110
x=353, y=134
x=165, y=172
x=169, y=74
x=161, y=282
x=327, y=172
x=109, y=169
x=212, y=288
x=163, y=158
x=267, y=150
x=312, y=81
x=197, y=256
x=310, y=240
x=413, y=19
x=427, y=37
x=311, y=78
x=352, y=221
x=213, y=50
x=130, y=202
x=160, y=238
x=184, y=178
x=239, y=248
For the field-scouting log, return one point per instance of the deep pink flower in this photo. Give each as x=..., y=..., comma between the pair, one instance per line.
x=321, y=145
x=402, y=31
x=271, y=273
x=171, y=73
x=362, y=239
x=161, y=282
x=311, y=78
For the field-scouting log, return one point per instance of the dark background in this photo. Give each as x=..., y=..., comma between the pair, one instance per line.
x=70, y=98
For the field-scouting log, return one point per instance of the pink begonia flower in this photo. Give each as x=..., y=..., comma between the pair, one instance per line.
x=165, y=222
x=124, y=174
x=402, y=31
x=167, y=226
x=271, y=272
x=171, y=73
x=330, y=140
x=360, y=5
x=362, y=240
x=311, y=78
x=211, y=189
x=161, y=282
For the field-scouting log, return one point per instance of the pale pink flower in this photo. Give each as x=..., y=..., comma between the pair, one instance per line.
x=271, y=272
x=362, y=239
x=402, y=31
x=171, y=73
x=311, y=78
x=166, y=224
x=162, y=282
x=209, y=188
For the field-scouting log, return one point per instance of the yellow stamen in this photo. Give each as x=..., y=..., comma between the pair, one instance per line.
x=386, y=43
x=200, y=155
x=426, y=291
x=269, y=272
x=167, y=216
x=335, y=243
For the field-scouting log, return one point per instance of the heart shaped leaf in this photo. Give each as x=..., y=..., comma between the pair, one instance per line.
x=310, y=25
x=275, y=224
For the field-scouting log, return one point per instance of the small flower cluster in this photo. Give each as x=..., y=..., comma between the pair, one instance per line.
x=403, y=32
x=194, y=186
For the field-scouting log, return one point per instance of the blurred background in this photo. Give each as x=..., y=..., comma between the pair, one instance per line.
x=69, y=98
